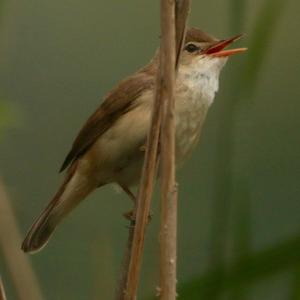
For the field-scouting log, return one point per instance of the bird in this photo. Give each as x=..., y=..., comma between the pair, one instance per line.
x=110, y=147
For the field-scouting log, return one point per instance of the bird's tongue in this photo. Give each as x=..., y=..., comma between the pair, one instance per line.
x=218, y=49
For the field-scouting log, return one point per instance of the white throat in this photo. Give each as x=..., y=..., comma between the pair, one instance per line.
x=196, y=86
x=201, y=78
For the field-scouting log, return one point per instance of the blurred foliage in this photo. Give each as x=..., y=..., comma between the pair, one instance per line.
x=248, y=270
x=59, y=72
x=260, y=43
x=237, y=9
x=296, y=285
x=212, y=285
x=6, y=116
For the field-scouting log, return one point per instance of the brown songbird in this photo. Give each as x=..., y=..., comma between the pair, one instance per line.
x=110, y=147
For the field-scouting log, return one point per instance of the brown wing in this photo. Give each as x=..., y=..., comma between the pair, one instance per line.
x=117, y=103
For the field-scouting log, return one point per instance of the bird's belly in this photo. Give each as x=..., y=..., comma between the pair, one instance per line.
x=190, y=115
x=121, y=160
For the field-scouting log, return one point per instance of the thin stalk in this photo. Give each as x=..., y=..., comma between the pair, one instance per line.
x=168, y=227
x=23, y=277
x=144, y=202
x=121, y=288
x=2, y=290
x=149, y=169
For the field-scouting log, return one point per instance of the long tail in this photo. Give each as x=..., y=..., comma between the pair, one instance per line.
x=73, y=190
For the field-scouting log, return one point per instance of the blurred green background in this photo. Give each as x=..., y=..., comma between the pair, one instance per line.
x=239, y=207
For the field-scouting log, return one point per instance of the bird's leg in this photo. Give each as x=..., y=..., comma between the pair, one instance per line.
x=129, y=193
x=131, y=215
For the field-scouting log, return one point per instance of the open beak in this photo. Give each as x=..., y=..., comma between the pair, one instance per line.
x=217, y=49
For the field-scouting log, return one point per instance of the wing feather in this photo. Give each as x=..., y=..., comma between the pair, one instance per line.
x=118, y=102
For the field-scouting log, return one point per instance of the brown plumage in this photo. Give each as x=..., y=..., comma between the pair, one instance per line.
x=109, y=147
x=117, y=103
x=196, y=35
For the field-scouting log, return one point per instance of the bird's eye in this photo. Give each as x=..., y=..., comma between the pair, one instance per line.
x=191, y=48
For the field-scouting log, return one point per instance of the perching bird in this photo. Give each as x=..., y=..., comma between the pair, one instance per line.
x=110, y=147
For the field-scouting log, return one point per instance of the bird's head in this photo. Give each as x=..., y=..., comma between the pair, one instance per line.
x=203, y=50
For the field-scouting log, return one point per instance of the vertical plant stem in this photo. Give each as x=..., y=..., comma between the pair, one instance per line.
x=182, y=10
x=144, y=202
x=23, y=277
x=2, y=290
x=168, y=227
x=150, y=164
x=121, y=288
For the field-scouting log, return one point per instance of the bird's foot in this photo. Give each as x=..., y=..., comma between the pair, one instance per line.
x=143, y=148
x=131, y=216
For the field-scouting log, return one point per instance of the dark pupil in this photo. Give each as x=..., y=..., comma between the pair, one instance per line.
x=191, y=48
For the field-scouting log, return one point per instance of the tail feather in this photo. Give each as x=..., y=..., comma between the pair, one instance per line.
x=72, y=191
x=39, y=234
